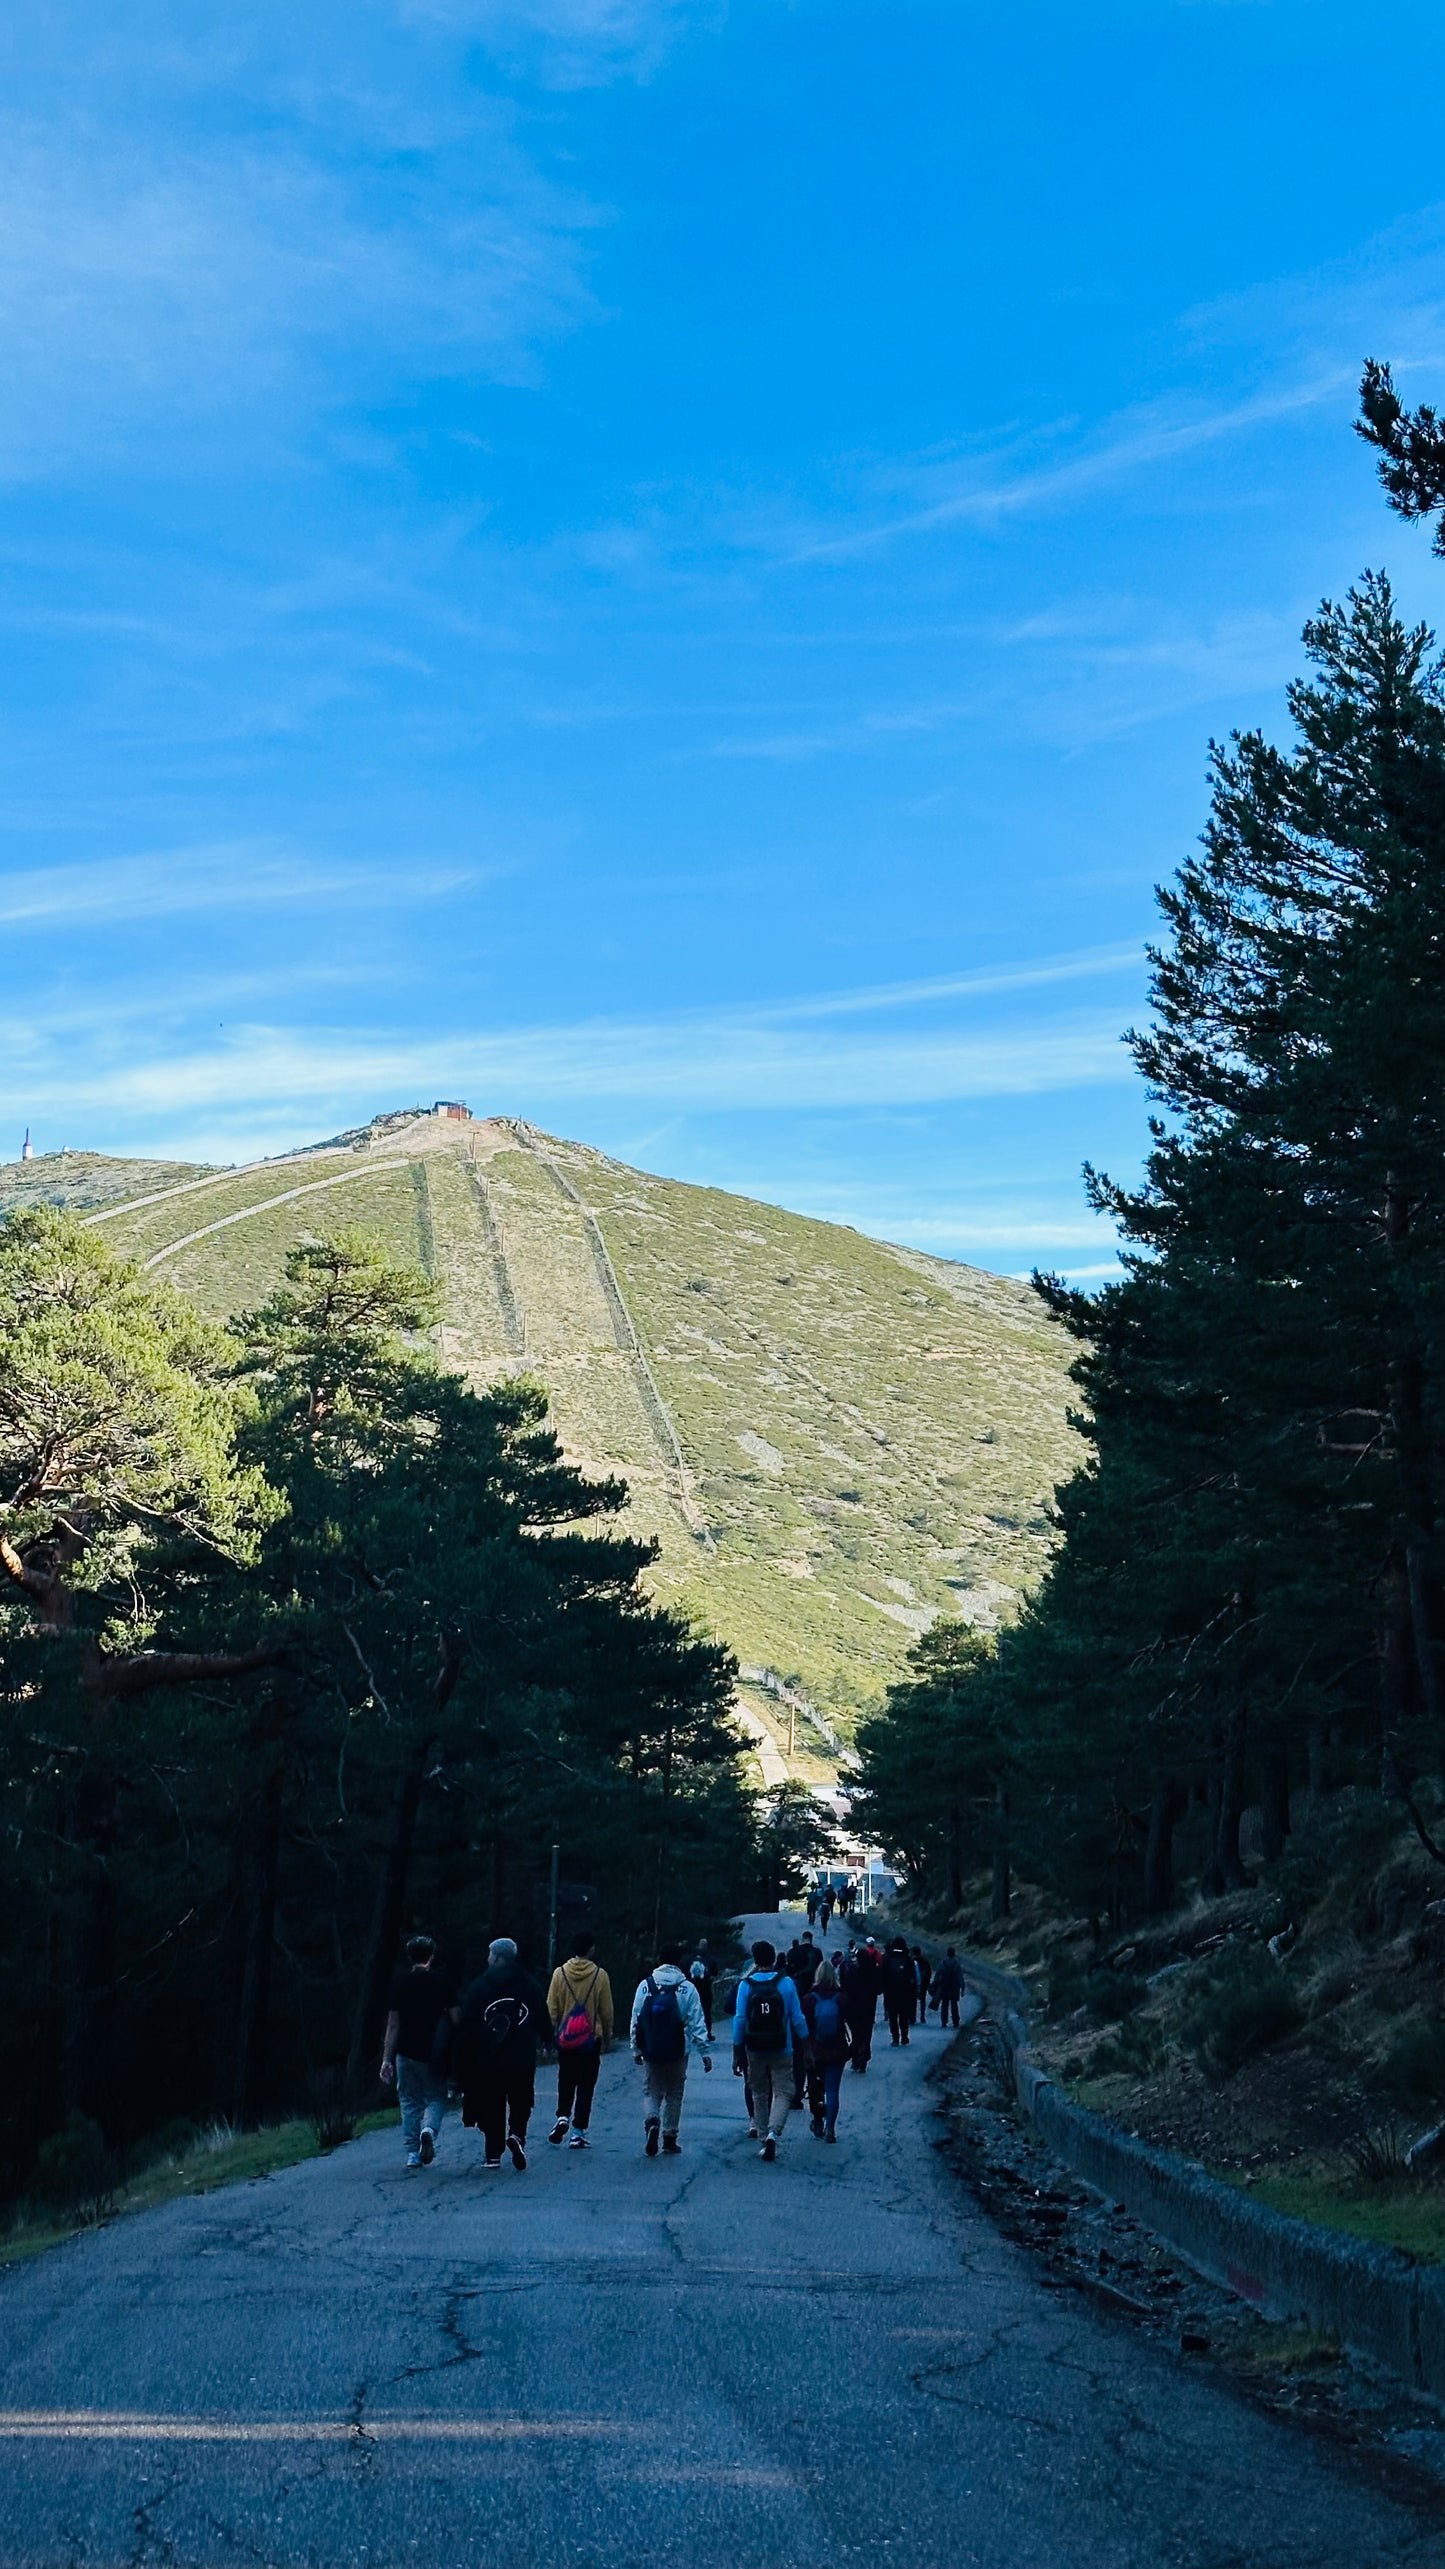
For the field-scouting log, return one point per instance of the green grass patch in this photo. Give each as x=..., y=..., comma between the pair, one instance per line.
x=214, y=2159
x=1408, y=2213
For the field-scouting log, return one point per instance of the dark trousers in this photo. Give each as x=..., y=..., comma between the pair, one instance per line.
x=899, y=2012
x=824, y=2086
x=861, y=2029
x=576, y=2085
x=920, y=2012
x=501, y=2102
x=948, y=2011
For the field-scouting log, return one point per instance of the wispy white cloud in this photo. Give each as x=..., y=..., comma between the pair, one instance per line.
x=244, y=875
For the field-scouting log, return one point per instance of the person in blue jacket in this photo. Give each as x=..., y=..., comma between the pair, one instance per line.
x=767, y=2022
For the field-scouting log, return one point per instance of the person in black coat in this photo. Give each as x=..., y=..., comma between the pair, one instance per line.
x=502, y=2016
x=923, y=1975
x=900, y=1989
x=860, y=1977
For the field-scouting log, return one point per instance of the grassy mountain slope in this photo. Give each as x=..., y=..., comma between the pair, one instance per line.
x=833, y=1440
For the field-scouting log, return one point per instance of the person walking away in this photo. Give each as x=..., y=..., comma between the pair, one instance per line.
x=812, y=1904
x=860, y=1980
x=828, y=2048
x=418, y=2027
x=767, y=2022
x=825, y=1911
x=668, y=2026
x=948, y=1988
x=923, y=1974
x=579, y=2003
x=803, y=1961
x=501, y=2017
x=900, y=1990
x=699, y=1972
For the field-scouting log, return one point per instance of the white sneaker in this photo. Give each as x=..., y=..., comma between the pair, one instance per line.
x=558, y=2133
x=413, y=2158
x=578, y=2141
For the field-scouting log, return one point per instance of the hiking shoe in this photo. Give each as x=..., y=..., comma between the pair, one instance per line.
x=558, y=2133
x=753, y=2133
x=577, y=2142
x=672, y=2145
x=830, y=2136
x=769, y=2149
x=817, y=2127
x=519, y=2155
x=654, y=2135
x=428, y=2146
x=413, y=2158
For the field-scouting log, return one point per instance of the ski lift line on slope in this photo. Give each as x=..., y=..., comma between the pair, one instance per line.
x=625, y=1330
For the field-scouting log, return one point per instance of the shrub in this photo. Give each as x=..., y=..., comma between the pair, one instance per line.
x=333, y=2111
x=1413, y=2072
x=1246, y=2005
x=74, y=2169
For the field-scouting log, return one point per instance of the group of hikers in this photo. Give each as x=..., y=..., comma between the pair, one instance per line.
x=826, y=1896
x=799, y=2020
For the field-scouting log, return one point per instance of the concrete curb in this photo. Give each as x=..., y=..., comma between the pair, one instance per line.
x=1376, y=2301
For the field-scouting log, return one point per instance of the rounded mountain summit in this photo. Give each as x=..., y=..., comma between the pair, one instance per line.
x=834, y=1440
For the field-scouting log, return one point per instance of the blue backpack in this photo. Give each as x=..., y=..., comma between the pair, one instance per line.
x=827, y=2019
x=660, y=2035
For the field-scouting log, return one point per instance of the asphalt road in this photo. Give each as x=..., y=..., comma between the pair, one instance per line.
x=696, y=2363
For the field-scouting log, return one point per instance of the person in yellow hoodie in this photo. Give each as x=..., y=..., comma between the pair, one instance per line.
x=579, y=2003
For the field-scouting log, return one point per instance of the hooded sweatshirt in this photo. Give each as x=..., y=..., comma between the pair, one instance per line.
x=694, y=2025
x=580, y=1982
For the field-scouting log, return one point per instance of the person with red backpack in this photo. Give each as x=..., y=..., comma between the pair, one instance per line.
x=667, y=2028
x=579, y=2003
x=767, y=2022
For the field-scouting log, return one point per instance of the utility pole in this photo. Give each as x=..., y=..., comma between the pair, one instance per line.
x=552, y=1918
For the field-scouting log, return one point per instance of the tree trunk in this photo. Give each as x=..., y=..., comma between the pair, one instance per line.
x=88, y=2064
x=1000, y=1898
x=1228, y=1863
x=388, y=1912
x=955, y=1855
x=1159, y=1848
x=253, y=2015
x=1275, y=1800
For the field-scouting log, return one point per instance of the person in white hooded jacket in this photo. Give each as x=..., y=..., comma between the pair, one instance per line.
x=668, y=2026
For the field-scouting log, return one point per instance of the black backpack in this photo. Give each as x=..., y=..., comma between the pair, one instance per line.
x=765, y=2021
x=660, y=2032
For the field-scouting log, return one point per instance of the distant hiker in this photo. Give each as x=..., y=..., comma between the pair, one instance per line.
x=828, y=2049
x=418, y=2027
x=699, y=1972
x=900, y=1990
x=767, y=2022
x=668, y=2025
x=501, y=2017
x=812, y=1904
x=803, y=1961
x=825, y=1909
x=948, y=1988
x=579, y=2003
x=861, y=1978
x=922, y=1974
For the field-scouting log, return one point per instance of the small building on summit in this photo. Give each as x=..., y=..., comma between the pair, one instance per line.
x=453, y=1109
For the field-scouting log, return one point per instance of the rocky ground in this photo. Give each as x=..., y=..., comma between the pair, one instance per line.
x=1086, y=2246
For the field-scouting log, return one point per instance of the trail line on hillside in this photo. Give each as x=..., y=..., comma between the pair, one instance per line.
x=193, y=1185
x=372, y=1168
x=624, y=1331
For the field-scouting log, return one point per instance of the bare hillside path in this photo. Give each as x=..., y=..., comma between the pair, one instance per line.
x=701, y=2363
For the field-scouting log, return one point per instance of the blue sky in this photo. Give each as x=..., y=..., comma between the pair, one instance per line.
x=665, y=568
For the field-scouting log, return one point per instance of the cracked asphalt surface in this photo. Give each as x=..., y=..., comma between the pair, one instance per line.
x=701, y=2363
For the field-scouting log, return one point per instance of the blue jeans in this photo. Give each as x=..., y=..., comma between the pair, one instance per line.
x=422, y=2102
x=824, y=2088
